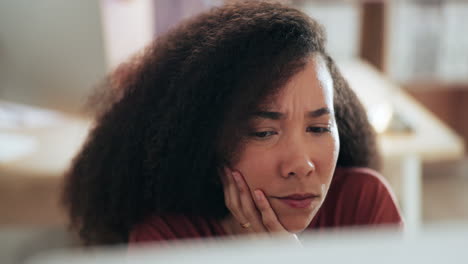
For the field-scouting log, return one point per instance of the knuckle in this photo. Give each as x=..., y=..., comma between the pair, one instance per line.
x=230, y=206
x=234, y=205
x=236, y=216
x=249, y=214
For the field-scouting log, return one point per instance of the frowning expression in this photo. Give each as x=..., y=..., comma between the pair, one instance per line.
x=293, y=146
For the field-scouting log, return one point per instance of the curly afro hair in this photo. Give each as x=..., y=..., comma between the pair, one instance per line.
x=170, y=117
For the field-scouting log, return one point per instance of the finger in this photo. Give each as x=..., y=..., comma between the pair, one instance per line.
x=249, y=211
x=269, y=218
x=231, y=197
x=225, y=184
x=225, y=179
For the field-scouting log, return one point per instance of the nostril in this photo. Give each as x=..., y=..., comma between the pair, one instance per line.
x=291, y=173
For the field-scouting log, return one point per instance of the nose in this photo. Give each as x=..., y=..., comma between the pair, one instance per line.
x=296, y=161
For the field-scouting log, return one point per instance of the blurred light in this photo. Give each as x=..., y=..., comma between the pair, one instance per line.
x=13, y=146
x=380, y=116
x=16, y=116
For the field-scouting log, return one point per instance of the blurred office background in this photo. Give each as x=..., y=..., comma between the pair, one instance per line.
x=409, y=56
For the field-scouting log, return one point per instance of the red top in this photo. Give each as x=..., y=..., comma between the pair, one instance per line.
x=357, y=196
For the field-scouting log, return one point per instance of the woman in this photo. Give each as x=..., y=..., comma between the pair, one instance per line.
x=236, y=121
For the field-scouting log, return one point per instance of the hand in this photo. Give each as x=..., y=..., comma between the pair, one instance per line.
x=255, y=212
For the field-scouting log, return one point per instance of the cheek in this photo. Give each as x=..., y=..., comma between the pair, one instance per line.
x=330, y=150
x=256, y=167
x=258, y=164
x=326, y=159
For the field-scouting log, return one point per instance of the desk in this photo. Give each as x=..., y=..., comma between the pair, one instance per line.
x=446, y=244
x=30, y=179
x=403, y=153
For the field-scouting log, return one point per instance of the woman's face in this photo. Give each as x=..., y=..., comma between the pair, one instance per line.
x=293, y=146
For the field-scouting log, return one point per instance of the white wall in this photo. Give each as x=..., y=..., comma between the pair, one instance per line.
x=428, y=41
x=51, y=52
x=128, y=27
x=341, y=20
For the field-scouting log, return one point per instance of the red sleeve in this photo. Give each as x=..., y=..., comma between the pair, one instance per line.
x=172, y=227
x=359, y=196
x=154, y=229
x=375, y=202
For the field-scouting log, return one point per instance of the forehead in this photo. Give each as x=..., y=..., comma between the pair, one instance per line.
x=312, y=87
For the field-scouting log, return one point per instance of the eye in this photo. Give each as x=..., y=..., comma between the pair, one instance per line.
x=263, y=134
x=318, y=130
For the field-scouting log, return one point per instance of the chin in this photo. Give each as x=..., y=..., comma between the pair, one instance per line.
x=295, y=223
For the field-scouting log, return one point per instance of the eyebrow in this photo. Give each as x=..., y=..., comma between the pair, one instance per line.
x=319, y=112
x=278, y=115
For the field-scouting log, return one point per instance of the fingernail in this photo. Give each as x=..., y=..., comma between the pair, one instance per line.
x=258, y=194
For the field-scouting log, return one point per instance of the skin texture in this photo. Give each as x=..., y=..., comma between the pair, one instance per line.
x=293, y=154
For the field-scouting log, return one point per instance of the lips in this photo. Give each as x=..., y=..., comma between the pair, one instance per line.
x=299, y=200
x=299, y=196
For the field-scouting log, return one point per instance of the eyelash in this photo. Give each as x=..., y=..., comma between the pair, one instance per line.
x=266, y=134
x=259, y=134
x=318, y=130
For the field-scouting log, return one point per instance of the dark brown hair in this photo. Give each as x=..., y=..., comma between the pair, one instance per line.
x=171, y=117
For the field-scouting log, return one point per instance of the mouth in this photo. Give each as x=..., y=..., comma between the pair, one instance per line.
x=300, y=200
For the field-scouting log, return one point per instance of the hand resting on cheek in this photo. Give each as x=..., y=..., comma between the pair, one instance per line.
x=253, y=213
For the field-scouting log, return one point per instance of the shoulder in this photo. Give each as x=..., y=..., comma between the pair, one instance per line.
x=361, y=196
x=157, y=228
x=359, y=179
x=173, y=226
